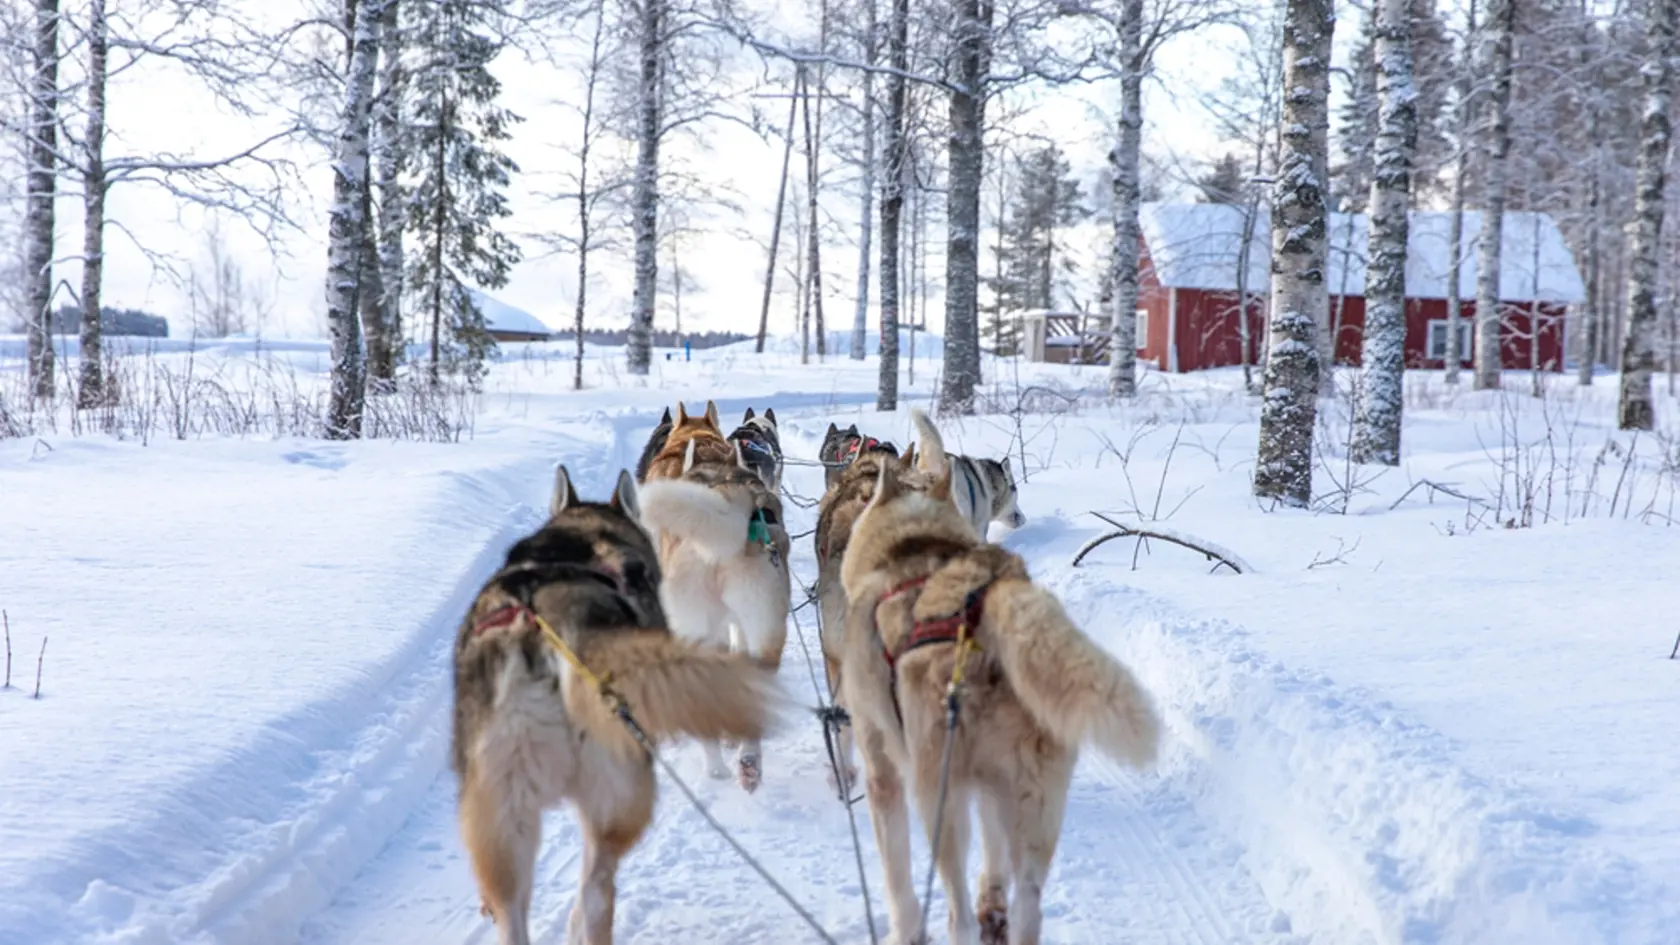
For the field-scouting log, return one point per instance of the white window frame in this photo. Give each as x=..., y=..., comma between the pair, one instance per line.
x=1435, y=340
x=1142, y=339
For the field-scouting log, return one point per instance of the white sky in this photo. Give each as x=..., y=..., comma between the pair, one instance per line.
x=153, y=113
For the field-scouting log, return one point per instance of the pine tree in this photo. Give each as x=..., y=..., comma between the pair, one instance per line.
x=1433, y=71
x=1226, y=181
x=1046, y=199
x=457, y=177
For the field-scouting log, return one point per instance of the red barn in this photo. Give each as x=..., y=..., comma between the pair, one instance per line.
x=1188, y=310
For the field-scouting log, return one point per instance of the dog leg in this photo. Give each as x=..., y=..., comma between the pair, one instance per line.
x=890, y=814
x=842, y=761
x=1037, y=828
x=992, y=907
x=951, y=856
x=759, y=603
x=591, y=921
x=501, y=827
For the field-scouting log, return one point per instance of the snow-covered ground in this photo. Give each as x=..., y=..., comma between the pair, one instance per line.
x=1409, y=723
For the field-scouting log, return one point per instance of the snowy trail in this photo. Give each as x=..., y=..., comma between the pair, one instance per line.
x=1137, y=860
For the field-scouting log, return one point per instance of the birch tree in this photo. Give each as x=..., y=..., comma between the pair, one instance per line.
x=1465, y=114
x=1376, y=437
x=1123, y=161
x=1496, y=147
x=971, y=68
x=644, y=201
x=1639, y=361
x=91, y=391
x=866, y=225
x=385, y=351
x=42, y=180
x=896, y=151
x=346, y=222
x=1283, y=467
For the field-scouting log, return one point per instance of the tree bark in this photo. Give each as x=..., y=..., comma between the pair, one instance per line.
x=1587, y=335
x=91, y=383
x=896, y=149
x=1497, y=67
x=1283, y=468
x=1461, y=169
x=781, y=204
x=1128, y=146
x=42, y=180
x=346, y=228
x=584, y=208
x=385, y=352
x=1639, y=359
x=1376, y=437
x=813, y=146
x=967, y=152
x=866, y=229
x=645, y=192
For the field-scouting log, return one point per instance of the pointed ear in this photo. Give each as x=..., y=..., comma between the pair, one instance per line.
x=712, y=415
x=907, y=460
x=832, y=431
x=564, y=495
x=852, y=430
x=887, y=486
x=666, y=417
x=941, y=488
x=770, y=415
x=688, y=456
x=624, y=495
x=749, y=415
x=682, y=413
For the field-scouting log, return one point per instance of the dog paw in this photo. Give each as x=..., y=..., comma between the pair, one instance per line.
x=484, y=910
x=750, y=776
x=842, y=790
x=994, y=925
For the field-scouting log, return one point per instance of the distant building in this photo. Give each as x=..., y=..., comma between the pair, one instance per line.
x=507, y=323
x=1187, y=314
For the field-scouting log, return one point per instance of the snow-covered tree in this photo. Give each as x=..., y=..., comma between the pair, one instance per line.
x=1495, y=146
x=895, y=159
x=1639, y=361
x=42, y=182
x=91, y=388
x=1046, y=200
x=866, y=217
x=385, y=346
x=1283, y=467
x=971, y=65
x=458, y=177
x=651, y=50
x=1376, y=436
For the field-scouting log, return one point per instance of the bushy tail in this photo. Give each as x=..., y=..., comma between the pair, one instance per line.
x=1071, y=686
x=696, y=514
x=930, y=451
x=675, y=688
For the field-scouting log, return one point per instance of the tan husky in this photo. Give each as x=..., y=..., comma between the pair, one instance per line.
x=724, y=549
x=1035, y=689
x=531, y=730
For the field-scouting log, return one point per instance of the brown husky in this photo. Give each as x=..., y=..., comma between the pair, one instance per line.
x=724, y=549
x=1036, y=688
x=532, y=730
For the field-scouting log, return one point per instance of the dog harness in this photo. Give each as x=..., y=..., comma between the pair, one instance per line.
x=502, y=616
x=954, y=628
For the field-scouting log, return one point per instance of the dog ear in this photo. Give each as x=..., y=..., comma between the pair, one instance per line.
x=564, y=495
x=833, y=431
x=887, y=486
x=712, y=416
x=749, y=415
x=941, y=488
x=770, y=415
x=666, y=416
x=624, y=495
x=682, y=413
x=907, y=461
x=852, y=430
x=688, y=456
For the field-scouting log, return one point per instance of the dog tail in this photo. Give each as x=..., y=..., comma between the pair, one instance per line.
x=1070, y=686
x=695, y=514
x=930, y=456
x=674, y=688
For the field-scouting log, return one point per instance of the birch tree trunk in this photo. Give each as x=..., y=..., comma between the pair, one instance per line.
x=896, y=149
x=385, y=352
x=1639, y=358
x=967, y=165
x=1376, y=437
x=866, y=229
x=781, y=203
x=42, y=180
x=813, y=143
x=1587, y=335
x=1461, y=168
x=346, y=227
x=1283, y=467
x=585, y=205
x=644, y=202
x=1128, y=145
x=91, y=383
x=1497, y=68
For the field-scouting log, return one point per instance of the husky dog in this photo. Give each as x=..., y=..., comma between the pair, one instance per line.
x=655, y=443
x=983, y=489
x=761, y=446
x=840, y=447
x=921, y=589
x=840, y=506
x=531, y=730
x=723, y=549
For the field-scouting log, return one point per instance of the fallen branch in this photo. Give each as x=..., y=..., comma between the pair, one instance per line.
x=1209, y=550
x=1435, y=487
x=38, y=661
x=1676, y=651
x=7, y=620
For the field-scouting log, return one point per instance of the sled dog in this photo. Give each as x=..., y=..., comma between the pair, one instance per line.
x=983, y=489
x=761, y=446
x=723, y=549
x=655, y=443
x=840, y=447
x=531, y=730
x=1034, y=689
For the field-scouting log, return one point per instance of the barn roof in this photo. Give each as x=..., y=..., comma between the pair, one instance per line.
x=500, y=316
x=1195, y=246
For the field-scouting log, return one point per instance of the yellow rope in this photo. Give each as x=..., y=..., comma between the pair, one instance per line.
x=965, y=647
x=554, y=640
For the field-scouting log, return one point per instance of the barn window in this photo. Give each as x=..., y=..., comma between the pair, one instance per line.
x=1142, y=328
x=1437, y=347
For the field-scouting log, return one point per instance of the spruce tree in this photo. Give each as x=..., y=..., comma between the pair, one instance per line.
x=1046, y=200
x=457, y=178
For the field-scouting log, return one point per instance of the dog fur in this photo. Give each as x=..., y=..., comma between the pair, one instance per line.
x=530, y=732
x=839, y=447
x=719, y=588
x=655, y=443
x=761, y=446
x=984, y=490
x=1036, y=690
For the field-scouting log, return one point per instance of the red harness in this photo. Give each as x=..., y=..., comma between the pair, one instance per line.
x=860, y=444
x=946, y=629
x=502, y=616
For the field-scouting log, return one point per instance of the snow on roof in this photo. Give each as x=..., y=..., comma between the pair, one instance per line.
x=500, y=316
x=1195, y=246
